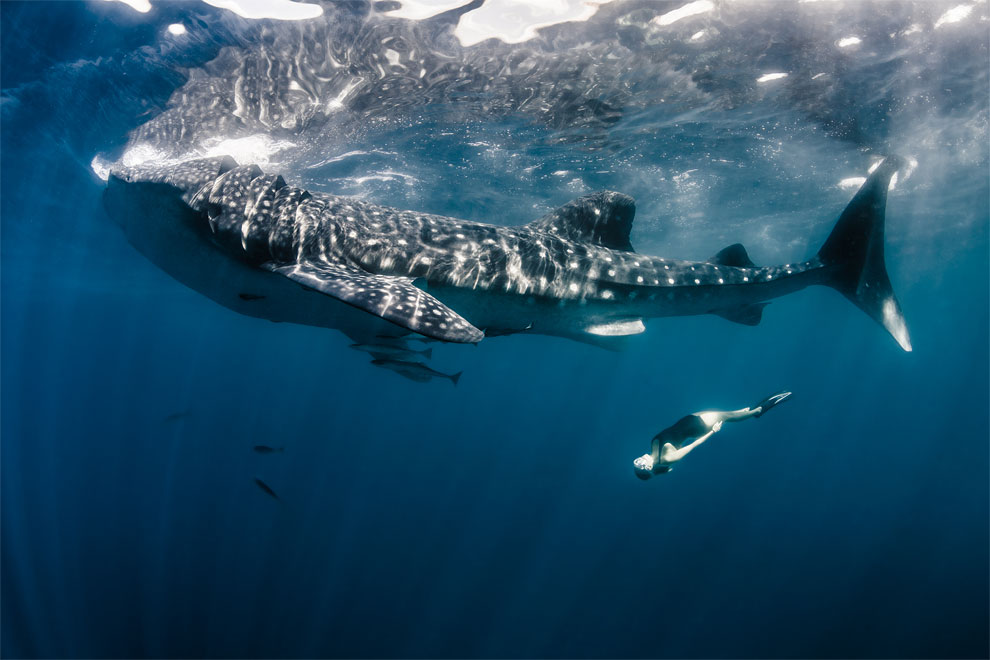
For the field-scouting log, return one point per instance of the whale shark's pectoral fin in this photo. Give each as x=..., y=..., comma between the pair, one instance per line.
x=745, y=314
x=392, y=298
x=604, y=218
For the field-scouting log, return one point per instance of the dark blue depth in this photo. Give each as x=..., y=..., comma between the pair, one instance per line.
x=500, y=518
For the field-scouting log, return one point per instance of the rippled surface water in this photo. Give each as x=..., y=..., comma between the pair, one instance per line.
x=500, y=517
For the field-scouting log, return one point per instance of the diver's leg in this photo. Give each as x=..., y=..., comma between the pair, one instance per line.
x=709, y=417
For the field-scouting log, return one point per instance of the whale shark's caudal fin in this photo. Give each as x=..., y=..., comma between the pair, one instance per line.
x=855, y=250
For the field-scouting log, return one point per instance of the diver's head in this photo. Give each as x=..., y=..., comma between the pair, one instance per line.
x=643, y=466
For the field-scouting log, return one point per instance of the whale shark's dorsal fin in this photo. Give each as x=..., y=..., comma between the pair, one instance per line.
x=735, y=255
x=604, y=218
x=392, y=298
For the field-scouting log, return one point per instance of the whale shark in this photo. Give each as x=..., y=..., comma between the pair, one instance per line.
x=264, y=248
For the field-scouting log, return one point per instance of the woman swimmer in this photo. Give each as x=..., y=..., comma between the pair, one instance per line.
x=669, y=445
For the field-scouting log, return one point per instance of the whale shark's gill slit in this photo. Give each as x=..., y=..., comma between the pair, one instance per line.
x=376, y=293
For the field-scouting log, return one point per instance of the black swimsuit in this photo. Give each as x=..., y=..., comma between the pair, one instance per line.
x=691, y=426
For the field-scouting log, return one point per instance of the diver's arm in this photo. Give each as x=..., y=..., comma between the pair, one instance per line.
x=671, y=454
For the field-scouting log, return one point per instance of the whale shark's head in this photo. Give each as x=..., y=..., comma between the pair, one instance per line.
x=156, y=220
x=150, y=198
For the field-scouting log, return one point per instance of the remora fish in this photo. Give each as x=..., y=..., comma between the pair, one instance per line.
x=416, y=371
x=265, y=487
x=315, y=258
x=176, y=416
x=395, y=351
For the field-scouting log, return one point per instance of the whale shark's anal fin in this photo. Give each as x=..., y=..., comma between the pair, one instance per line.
x=392, y=298
x=604, y=218
x=744, y=314
x=855, y=253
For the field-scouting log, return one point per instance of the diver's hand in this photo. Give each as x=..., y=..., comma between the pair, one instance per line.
x=716, y=427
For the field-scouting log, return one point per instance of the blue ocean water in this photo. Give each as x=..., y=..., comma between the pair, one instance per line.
x=500, y=517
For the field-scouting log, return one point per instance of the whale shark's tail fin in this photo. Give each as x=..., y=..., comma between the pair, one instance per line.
x=855, y=251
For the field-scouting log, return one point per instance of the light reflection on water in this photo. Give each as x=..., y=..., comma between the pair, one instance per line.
x=775, y=99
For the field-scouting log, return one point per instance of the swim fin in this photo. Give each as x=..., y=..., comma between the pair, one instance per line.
x=770, y=402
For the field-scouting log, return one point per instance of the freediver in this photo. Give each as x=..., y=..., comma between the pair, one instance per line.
x=669, y=445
